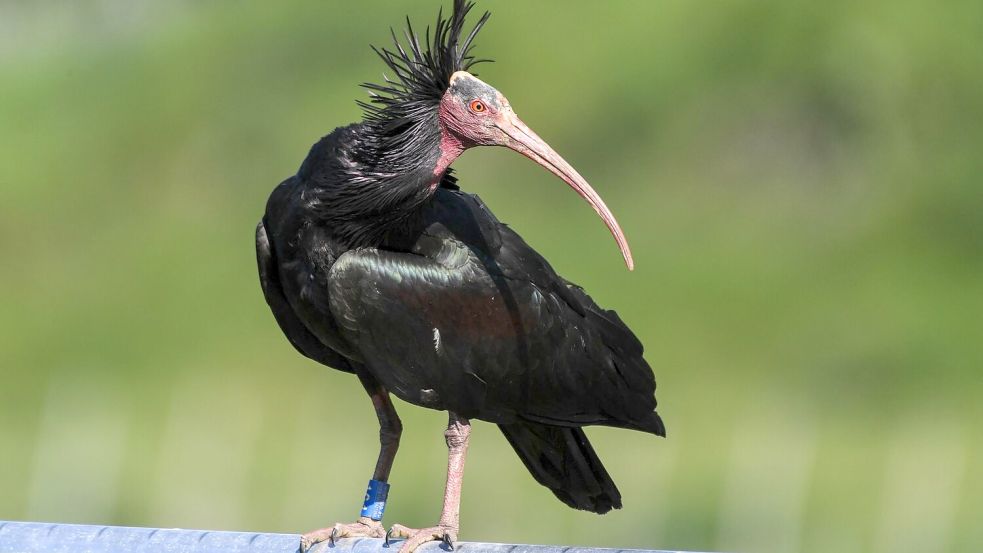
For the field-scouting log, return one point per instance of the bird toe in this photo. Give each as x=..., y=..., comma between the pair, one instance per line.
x=364, y=527
x=417, y=537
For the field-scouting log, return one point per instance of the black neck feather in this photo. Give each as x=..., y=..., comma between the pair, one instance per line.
x=370, y=181
x=367, y=196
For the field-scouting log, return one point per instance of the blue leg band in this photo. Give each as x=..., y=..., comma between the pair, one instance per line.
x=375, y=499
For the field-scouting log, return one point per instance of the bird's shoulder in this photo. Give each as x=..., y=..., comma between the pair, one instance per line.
x=458, y=236
x=462, y=246
x=464, y=221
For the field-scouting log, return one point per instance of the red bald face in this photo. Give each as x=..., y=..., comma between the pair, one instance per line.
x=472, y=113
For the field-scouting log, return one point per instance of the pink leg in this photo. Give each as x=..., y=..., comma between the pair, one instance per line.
x=456, y=435
x=390, y=429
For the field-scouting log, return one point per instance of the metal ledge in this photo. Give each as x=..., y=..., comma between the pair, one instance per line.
x=39, y=537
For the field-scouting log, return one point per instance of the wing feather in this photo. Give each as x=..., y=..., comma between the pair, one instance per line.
x=298, y=334
x=475, y=321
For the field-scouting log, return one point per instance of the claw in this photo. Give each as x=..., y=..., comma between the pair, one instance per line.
x=334, y=536
x=389, y=534
x=444, y=535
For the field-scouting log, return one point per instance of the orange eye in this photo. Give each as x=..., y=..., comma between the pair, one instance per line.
x=477, y=106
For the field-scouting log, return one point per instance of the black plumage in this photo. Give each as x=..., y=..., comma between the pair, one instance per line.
x=375, y=263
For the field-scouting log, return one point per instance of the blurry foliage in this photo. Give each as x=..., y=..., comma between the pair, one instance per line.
x=800, y=183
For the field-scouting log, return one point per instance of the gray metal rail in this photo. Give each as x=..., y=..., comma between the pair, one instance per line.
x=37, y=537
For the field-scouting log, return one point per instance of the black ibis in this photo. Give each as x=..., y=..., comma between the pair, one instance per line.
x=374, y=262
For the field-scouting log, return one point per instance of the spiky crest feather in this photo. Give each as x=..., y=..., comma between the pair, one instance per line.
x=402, y=112
x=369, y=180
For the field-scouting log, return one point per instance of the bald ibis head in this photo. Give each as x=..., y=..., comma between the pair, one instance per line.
x=435, y=109
x=472, y=113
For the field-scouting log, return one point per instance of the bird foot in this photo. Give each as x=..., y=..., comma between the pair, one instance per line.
x=415, y=538
x=364, y=527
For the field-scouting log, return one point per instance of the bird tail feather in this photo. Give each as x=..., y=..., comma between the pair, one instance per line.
x=562, y=459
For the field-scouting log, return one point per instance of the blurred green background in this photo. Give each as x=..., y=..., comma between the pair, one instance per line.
x=800, y=182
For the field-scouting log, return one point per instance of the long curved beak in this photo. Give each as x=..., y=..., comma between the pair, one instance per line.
x=522, y=139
